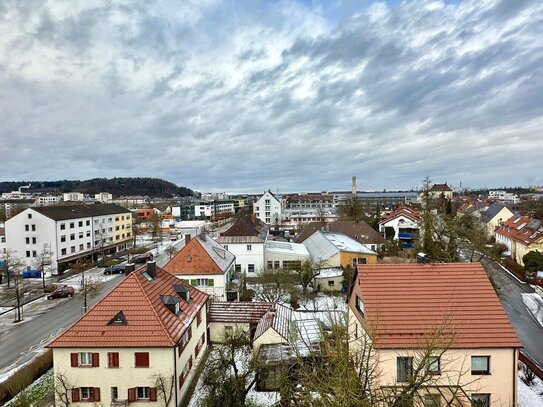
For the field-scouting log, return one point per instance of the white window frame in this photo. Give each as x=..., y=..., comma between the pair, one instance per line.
x=84, y=358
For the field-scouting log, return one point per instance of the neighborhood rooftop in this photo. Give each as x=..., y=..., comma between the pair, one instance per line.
x=64, y=212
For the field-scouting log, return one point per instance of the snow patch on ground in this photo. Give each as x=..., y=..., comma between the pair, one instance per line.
x=530, y=396
x=534, y=303
x=323, y=302
x=29, y=312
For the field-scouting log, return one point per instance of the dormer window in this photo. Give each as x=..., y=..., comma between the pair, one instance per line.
x=118, y=319
x=171, y=302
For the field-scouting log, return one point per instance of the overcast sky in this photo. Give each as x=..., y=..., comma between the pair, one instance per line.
x=286, y=95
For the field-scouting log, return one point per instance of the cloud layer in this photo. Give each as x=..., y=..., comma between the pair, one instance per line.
x=249, y=95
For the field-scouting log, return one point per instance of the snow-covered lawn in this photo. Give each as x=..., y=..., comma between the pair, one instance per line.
x=94, y=274
x=324, y=302
x=530, y=396
x=534, y=303
x=36, y=393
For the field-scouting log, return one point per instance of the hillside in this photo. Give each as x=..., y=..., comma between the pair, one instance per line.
x=154, y=187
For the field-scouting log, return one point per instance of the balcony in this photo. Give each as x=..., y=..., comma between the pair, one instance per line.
x=406, y=236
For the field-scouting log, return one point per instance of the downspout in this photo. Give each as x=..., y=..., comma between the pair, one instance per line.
x=175, y=374
x=515, y=377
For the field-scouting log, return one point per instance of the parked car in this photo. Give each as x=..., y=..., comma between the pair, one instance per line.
x=173, y=238
x=142, y=258
x=117, y=269
x=62, y=292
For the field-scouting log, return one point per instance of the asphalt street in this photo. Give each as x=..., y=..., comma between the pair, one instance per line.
x=510, y=292
x=22, y=342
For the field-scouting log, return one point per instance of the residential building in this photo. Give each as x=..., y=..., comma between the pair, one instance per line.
x=442, y=321
x=70, y=231
x=217, y=209
x=284, y=255
x=151, y=325
x=493, y=216
x=11, y=207
x=268, y=209
x=359, y=231
x=308, y=201
x=336, y=250
x=2, y=240
x=294, y=219
x=373, y=199
x=73, y=196
x=521, y=235
x=246, y=240
x=329, y=279
x=206, y=265
x=145, y=214
x=406, y=224
x=441, y=190
x=103, y=197
x=504, y=197
x=227, y=317
x=46, y=200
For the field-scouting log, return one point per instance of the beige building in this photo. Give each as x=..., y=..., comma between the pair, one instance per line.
x=494, y=216
x=150, y=326
x=521, y=235
x=439, y=325
x=227, y=317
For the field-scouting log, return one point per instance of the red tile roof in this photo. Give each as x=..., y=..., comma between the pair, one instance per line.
x=407, y=301
x=402, y=210
x=238, y=312
x=523, y=229
x=149, y=322
x=201, y=255
x=440, y=188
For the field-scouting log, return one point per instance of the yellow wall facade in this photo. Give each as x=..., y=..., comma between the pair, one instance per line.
x=122, y=228
x=346, y=258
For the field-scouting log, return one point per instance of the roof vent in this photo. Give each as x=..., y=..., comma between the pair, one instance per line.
x=182, y=291
x=171, y=302
x=118, y=319
x=189, y=259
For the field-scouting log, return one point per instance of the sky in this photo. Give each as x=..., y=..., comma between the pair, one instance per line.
x=282, y=95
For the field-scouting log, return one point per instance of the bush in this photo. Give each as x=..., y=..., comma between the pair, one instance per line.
x=515, y=268
x=247, y=295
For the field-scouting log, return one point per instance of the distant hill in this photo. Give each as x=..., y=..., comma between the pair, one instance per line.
x=154, y=187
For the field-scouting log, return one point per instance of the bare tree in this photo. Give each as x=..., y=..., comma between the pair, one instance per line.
x=164, y=386
x=90, y=287
x=62, y=389
x=274, y=285
x=155, y=224
x=11, y=262
x=43, y=261
x=16, y=291
x=307, y=272
x=352, y=208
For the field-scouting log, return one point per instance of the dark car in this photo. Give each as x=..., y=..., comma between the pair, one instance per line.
x=62, y=292
x=117, y=269
x=143, y=258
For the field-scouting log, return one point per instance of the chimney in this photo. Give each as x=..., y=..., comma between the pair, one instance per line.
x=151, y=269
x=187, y=238
x=129, y=268
x=353, y=185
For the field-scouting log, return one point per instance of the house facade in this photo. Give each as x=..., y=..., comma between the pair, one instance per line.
x=70, y=232
x=521, y=235
x=458, y=353
x=268, y=209
x=150, y=327
x=406, y=224
x=204, y=264
x=493, y=216
x=246, y=240
x=284, y=255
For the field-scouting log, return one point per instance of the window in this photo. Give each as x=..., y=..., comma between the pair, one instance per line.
x=113, y=359
x=361, y=260
x=434, y=365
x=331, y=283
x=62, y=226
x=238, y=268
x=80, y=224
x=270, y=264
x=199, y=317
x=249, y=247
x=228, y=330
x=360, y=305
x=72, y=249
x=34, y=253
x=480, y=400
x=86, y=393
x=275, y=264
x=27, y=228
x=432, y=400
x=63, y=251
x=142, y=359
x=63, y=238
x=72, y=236
x=33, y=240
x=88, y=245
x=185, y=339
x=28, y=253
x=404, y=367
x=87, y=223
x=88, y=233
x=29, y=216
x=251, y=268
x=27, y=240
x=72, y=225
x=114, y=393
x=480, y=365
x=33, y=228
x=142, y=393
x=85, y=358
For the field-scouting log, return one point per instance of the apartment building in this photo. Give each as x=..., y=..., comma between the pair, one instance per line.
x=103, y=197
x=152, y=326
x=439, y=323
x=71, y=232
x=47, y=200
x=268, y=209
x=73, y=196
x=214, y=209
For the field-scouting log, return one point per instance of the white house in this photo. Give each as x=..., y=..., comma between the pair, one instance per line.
x=47, y=200
x=246, y=240
x=268, y=209
x=70, y=232
x=212, y=209
x=73, y=196
x=405, y=222
x=204, y=264
x=103, y=197
x=150, y=327
x=284, y=255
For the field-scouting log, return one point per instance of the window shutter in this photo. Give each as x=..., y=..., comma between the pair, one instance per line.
x=152, y=394
x=131, y=394
x=142, y=359
x=95, y=359
x=181, y=380
x=113, y=359
x=74, y=360
x=193, y=282
x=96, y=395
x=75, y=395
x=190, y=333
x=190, y=364
x=210, y=282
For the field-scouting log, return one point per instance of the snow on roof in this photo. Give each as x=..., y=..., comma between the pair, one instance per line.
x=345, y=243
x=330, y=272
x=286, y=248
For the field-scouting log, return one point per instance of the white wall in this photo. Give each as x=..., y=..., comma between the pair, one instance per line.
x=268, y=209
x=401, y=222
x=245, y=257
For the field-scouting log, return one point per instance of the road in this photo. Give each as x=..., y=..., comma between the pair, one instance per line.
x=22, y=342
x=510, y=292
